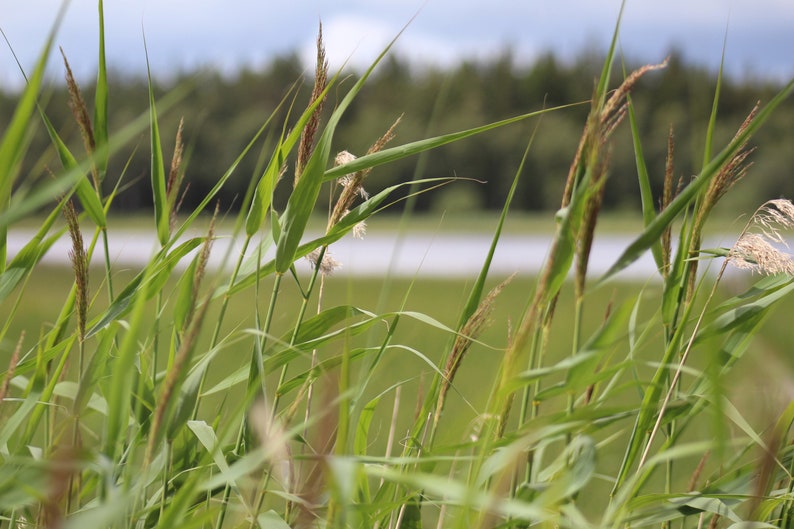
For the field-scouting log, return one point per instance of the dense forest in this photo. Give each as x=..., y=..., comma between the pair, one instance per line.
x=221, y=114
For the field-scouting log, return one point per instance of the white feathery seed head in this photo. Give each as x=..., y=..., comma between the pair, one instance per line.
x=759, y=247
x=328, y=264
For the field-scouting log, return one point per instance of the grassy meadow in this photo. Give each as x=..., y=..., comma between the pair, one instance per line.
x=183, y=395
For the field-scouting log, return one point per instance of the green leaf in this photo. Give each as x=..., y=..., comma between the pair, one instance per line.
x=700, y=504
x=15, y=139
x=93, y=372
x=161, y=209
x=263, y=195
x=320, y=324
x=361, y=440
x=206, y=436
x=87, y=194
x=402, y=151
x=151, y=278
x=123, y=374
x=646, y=196
x=272, y=520
x=748, y=313
x=27, y=258
x=101, y=100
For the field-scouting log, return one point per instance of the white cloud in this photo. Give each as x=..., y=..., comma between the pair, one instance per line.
x=358, y=40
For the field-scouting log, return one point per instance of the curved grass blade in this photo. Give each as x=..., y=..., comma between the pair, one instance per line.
x=85, y=193
x=52, y=189
x=14, y=140
x=401, y=151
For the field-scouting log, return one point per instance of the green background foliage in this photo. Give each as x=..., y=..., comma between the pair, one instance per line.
x=223, y=112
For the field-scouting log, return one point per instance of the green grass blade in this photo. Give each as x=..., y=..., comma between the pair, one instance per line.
x=87, y=195
x=63, y=183
x=24, y=261
x=119, y=389
x=201, y=207
x=603, y=81
x=745, y=314
x=161, y=208
x=101, y=99
x=147, y=281
x=707, y=150
x=263, y=194
x=646, y=196
x=476, y=292
x=397, y=153
x=15, y=138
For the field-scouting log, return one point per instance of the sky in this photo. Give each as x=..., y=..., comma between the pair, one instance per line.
x=181, y=35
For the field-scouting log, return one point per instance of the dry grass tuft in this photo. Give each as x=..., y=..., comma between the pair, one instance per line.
x=306, y=145
x=80, y=112
x=12, y=366
x=175, y=175
x=322, y=257
x=473, y=327
x=353, y=184
x=756, y=248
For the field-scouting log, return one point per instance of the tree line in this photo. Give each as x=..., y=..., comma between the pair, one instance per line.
x=221, y=114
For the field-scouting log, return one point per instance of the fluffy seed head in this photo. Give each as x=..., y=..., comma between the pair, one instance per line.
x=759, y=247
x=328, y=264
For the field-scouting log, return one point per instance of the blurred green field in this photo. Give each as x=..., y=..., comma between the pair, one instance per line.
x=749, y=386
x=440, y=299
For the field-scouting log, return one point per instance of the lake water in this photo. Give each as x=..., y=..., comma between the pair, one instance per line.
x=422, y=254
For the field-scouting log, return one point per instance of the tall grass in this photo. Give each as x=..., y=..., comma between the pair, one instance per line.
x=148, y=405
